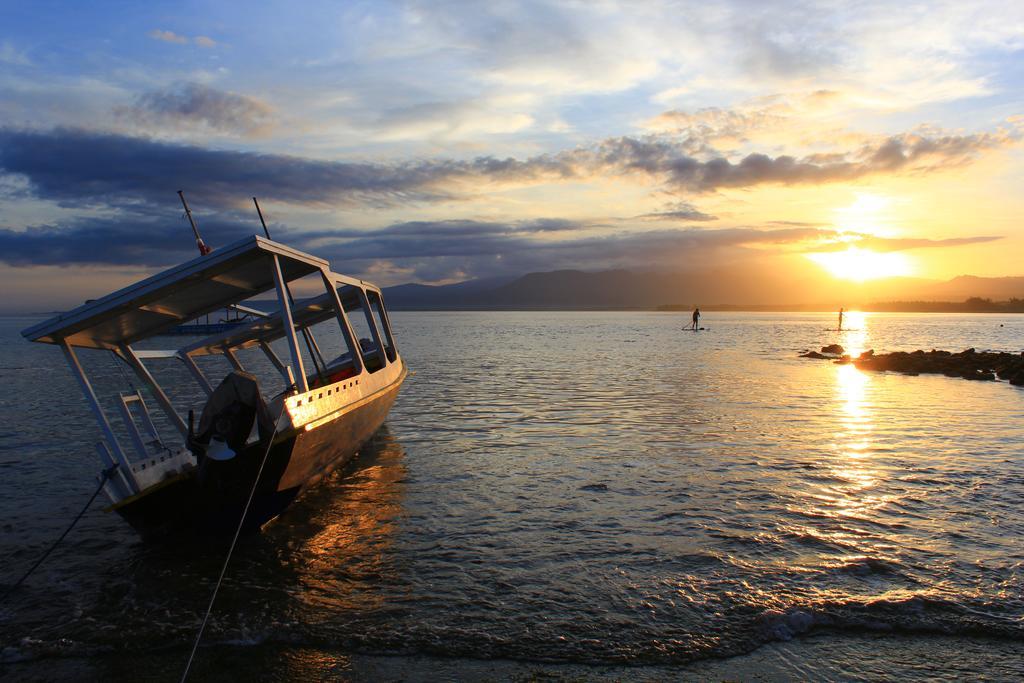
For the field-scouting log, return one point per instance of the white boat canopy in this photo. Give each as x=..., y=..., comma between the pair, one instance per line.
x=203, y=285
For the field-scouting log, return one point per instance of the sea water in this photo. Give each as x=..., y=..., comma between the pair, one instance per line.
x=599, y=490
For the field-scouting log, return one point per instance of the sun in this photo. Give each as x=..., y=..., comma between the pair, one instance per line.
x=862, y=264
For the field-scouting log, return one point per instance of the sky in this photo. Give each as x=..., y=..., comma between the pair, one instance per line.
x=438, y=142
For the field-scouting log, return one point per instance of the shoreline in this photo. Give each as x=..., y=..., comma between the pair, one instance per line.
x=720, y=308
x=822, y=655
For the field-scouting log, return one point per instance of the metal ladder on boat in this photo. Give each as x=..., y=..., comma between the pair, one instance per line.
x=148, y=444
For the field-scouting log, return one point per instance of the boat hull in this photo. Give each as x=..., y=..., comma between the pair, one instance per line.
x=209, y=499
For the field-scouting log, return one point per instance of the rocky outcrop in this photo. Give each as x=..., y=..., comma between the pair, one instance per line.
x=970, y=364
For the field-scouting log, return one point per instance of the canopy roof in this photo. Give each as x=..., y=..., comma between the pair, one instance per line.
x=205, y=284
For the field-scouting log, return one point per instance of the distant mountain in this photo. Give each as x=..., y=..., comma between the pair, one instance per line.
x=965, y=286
x=458, y=295
x=757, y=285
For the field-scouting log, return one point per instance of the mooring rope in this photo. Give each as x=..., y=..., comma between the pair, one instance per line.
x=231, y=548
x=107, y=473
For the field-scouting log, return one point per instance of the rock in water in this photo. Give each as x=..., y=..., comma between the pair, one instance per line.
x=970, y=364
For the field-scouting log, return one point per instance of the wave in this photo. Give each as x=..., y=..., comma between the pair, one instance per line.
x=910, y=614
x=907, y=614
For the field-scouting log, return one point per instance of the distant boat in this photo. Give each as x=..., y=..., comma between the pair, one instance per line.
x=198, y=481
x=230, y=318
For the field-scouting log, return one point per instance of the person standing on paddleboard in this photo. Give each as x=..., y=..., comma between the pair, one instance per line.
x=840, y=319
x=696, y=318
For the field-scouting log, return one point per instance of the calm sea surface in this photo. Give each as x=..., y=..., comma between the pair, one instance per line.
x=583, y=488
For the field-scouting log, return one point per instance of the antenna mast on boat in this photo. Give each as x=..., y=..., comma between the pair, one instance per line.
x=261, y=217
x=203, y=249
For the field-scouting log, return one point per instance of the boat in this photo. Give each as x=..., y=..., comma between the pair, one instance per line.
x=271, y=427
x=230, y=318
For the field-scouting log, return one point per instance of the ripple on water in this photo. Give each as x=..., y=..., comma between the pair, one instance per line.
x=582, y=487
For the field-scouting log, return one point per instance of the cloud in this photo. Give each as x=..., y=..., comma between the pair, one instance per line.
x=130, y=240
x=82, y=168
x=665, y=158
x=151, y=239
x=442, y=252
x=528, y=47
x=504, y=250
x=445, y=120
x=460, y=228
x=167, y=36
x=435, y=251
x=678, y=211
x=172, y=37
x=886, y=244
x=10, y=55
x=196, y=106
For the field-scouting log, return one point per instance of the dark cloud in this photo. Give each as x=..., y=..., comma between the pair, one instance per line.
x=511, y=253
x=432, y=250
x=80, y=168
x=134, y=180
x=142, y=239
x=193, y=105
x=448, y=229
x=663, y=158
x=134, y=240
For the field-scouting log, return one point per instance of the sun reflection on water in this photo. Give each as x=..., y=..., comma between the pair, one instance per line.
x=349, y=537
x=854, y=446
x=855, y=332
x=854, y=416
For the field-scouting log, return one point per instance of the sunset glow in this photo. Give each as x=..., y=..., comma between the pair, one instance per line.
x=860, y=265
x=417, y=143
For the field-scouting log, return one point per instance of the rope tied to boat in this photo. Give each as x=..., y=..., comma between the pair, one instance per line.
x=106, y=474
x=234, y=541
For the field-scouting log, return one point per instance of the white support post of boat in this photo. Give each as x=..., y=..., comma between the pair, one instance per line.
x=165, y=403
x=386, y=321
x=119, y=486
x=286, y=316
x=133, y=429
x=233, y=359
x=365, y=301
x=276, y=362
x=97, y=410
x=346, y=329
x=190, y=363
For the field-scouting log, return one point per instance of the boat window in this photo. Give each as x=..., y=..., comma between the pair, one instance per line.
x=334, y=359
x=383, y=324
x=363, y=326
